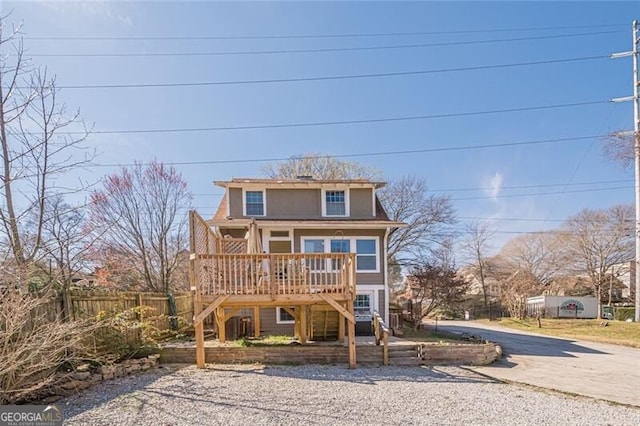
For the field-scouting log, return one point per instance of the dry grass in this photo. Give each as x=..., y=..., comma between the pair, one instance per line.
x=425, y=334
x=616, y=332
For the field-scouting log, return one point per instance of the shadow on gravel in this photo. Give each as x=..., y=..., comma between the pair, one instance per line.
x=514, y=343
x=114, y=389
x=373, y=375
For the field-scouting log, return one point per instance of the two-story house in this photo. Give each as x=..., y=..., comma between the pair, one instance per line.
x=323, y=256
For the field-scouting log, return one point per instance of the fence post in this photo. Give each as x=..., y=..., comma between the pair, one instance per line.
x=67, y=306
x=139, y=302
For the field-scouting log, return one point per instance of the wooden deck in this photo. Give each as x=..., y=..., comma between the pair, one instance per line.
x=226, y=278
x=274, y=274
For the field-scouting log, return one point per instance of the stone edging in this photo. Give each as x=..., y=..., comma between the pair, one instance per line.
x=84, y=377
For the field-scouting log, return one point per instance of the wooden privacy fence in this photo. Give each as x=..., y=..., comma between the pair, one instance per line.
x=88, y=304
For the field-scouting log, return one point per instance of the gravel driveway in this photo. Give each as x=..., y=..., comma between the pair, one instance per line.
x=303, y=395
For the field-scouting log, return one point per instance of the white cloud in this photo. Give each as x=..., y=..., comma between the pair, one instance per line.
x=495, y=185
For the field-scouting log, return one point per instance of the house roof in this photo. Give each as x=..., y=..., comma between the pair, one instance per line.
x=307, y=223
x=302, y=182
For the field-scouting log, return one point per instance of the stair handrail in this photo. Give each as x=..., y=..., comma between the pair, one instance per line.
x=381, y=334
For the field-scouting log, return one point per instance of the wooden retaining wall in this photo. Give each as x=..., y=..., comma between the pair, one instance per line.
x=405, y=355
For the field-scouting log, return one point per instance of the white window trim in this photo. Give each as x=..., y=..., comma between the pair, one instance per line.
x=244, y=201
x=347, y=209
x=378, y=254
x=266, y=237
x=352, y=248
x=278, y=321
x=373, y=203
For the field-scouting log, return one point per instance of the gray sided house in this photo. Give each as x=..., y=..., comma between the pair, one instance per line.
x=307, y=216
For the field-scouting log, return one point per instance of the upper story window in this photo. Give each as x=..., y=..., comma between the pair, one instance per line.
x=254, y=203
x=335, y=203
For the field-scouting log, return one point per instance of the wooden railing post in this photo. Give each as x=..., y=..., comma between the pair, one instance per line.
x=381, y=333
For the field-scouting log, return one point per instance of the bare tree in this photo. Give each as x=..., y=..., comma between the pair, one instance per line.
x=601, y=239
x=516, y=288
x=619, y=147
x=319, y=166
x=476, y=245
x=66, y=241
x=141, y=212
x=427, y=216
x=540, y=254
x=35, y=148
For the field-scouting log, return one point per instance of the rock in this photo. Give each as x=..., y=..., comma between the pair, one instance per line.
x=71, y=384
x=108, y=376
x=80, y=375
x=106, y=369
x=82, y=368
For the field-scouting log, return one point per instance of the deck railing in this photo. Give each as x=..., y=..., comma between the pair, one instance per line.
x=381, y=334
x=275, y=274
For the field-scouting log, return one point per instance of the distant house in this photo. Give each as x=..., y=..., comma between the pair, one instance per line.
x=626, y=273
x=492, y=284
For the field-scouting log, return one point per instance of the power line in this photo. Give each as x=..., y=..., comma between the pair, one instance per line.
x=329, y=78
x=321, y=50
x=363, y=154
x=348, y=122
x=509, y=219
x=536, y=194
x=311, y=36
x=480, y=188
x=533, y=186
x=532, y=194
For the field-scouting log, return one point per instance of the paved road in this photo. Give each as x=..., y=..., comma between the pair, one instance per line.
x=597, y=370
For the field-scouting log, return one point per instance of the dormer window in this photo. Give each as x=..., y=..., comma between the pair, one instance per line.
x=335, y=203
x=254, y=203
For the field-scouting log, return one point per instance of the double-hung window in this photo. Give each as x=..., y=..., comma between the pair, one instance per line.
x=335, y=203
x=366, y=256
x=314, y=246
x=339, y=246
x=254, y=203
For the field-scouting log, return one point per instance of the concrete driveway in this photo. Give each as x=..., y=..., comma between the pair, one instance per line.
x=597, y=370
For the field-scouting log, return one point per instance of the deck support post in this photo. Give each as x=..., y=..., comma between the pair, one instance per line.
x=199, y=332
x=351, y=330
x=341, y=321
x=303, y=324
x=220, y=321
x=256, y=321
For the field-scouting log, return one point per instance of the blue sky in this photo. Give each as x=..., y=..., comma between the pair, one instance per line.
x=480, y=182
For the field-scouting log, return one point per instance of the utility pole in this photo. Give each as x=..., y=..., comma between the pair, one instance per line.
x=636, y=143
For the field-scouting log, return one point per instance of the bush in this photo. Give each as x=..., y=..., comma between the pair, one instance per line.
x=131, y=333
x=34, y=347
x=622, y=314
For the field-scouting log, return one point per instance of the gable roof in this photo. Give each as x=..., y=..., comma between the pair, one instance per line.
x=302, y=182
